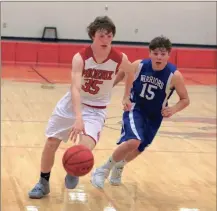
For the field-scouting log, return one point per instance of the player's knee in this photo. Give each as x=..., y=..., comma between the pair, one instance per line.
x=133, y=144
x=87, y=141
x=142, y=147
x=52, y=144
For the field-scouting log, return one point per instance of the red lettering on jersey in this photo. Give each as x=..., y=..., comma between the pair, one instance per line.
x=97, y=74
x=94, y=78
x=110, y=75
x=91, y=86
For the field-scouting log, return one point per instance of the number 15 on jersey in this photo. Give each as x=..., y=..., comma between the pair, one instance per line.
x=148, y=91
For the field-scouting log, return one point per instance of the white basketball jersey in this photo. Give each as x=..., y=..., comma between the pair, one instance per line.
x=97, y=79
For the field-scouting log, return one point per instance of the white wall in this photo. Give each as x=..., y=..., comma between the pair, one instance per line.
x=182, y=22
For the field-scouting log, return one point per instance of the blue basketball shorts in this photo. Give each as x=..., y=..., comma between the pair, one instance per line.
x=137, y=125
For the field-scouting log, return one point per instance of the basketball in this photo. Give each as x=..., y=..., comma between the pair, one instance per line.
x=78, y=160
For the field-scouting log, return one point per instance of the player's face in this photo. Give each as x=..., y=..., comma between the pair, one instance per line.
x=102, y=38
x=159, y=58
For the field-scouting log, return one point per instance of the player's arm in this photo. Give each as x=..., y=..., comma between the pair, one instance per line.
x=128, y=71
x=181, y=90
x=178, y=83
x=76, y=73
x=119, y=77
x=121, y=73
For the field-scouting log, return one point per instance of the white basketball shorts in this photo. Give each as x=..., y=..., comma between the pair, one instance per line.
x=61, y=121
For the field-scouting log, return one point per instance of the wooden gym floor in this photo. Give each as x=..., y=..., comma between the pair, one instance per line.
x=176, y=173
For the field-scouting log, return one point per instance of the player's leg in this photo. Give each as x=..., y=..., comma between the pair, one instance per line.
x=131, y=137
x=150, y=130
x=42, y=188
x=101, y=173
x=117, y=170
x=87, y=140
x=131, y=156
x=48, y=154
x=58, y=129
x=93, y=122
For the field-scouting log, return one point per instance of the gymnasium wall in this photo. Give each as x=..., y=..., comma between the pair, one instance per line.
x=60, y=54
x=182, y=22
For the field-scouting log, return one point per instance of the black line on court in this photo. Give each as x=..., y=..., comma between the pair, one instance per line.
x=109, y=149
x=29, y=121
x=43, y=77
x=189, y=135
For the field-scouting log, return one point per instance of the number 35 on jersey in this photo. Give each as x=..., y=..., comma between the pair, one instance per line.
x=92, y=86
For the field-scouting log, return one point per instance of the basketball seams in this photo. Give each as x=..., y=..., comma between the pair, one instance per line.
x=71, y=164
x=75, y=153
x=78, y=160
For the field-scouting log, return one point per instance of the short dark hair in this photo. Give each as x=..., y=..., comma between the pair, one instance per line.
x=100, y=23
x=160, y=42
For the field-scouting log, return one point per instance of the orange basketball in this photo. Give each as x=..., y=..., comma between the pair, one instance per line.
x=78, y=160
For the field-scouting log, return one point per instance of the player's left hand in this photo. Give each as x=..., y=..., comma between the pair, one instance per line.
x=168, y=111
x=126, y=104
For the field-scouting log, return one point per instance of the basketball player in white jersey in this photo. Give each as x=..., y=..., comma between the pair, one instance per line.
x=82, y=110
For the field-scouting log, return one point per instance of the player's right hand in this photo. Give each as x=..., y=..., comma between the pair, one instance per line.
x=168, y=111
x=77, y=128
x=126, y=104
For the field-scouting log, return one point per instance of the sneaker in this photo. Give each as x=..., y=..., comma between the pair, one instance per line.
x=71, y=181
x=99, y=176
x=41, y=189
x=115, y=178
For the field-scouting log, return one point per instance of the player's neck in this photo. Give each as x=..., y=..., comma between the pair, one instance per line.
x=99, y=52
x=155, y=68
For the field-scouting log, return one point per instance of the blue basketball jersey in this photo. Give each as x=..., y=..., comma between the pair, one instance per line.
x=151, y=89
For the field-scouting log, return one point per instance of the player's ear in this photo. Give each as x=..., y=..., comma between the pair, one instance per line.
x=93, y=37
x=149, y=53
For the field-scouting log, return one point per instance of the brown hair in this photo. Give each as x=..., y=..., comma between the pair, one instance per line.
x=160, y=42
x=100, y=23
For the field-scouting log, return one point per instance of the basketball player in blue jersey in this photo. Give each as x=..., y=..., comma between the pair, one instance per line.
x=155, y=81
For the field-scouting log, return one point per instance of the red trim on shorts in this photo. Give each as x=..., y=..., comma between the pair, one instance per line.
x=90, y=137
x=92, y=106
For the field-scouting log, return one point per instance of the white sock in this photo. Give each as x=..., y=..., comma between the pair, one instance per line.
x=121, y=163
x=109, y=164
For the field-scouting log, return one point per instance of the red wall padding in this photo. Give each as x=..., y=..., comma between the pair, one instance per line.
x=48, y=53
x=54, y=53
x=26, y=52
x=196, y=58
x=66, y=52
x=8, y=50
